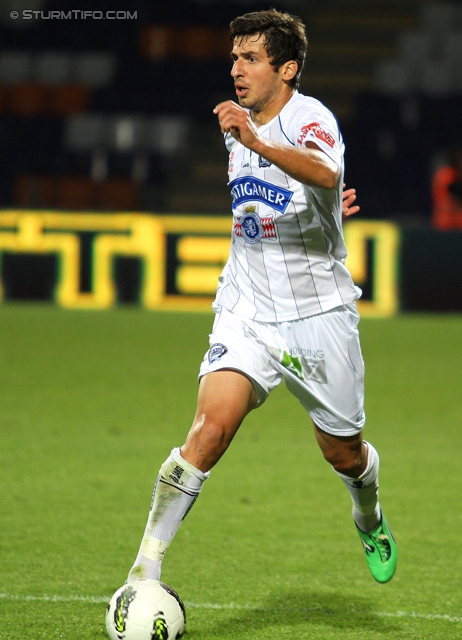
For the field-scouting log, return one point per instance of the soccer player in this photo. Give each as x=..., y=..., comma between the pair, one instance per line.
x=285, y=304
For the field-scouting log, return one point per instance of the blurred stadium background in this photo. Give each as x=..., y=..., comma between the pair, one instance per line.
x=113, y=112
x=113, y=191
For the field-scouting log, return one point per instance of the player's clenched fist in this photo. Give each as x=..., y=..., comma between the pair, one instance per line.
x=235, y=120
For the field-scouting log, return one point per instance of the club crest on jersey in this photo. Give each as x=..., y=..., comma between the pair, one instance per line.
x=253, y=228
x=263, y=163
x=249, y=188
x=216, y=351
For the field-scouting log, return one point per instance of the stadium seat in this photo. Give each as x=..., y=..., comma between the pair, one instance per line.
x=199, y=42
x=394, y=77
x=99, y=164
x=436, y=78
x=15, y=67
x=126, y=132
x=415, y=47
x=439, y=17
x=69, y=99
x=34, y=191
x=28, y=99
x=94, y=69
x=53, y=68
x=118, y=194
x=85, y=132
x=159, y=42
x=205, y=43
x=75, y=192
x=140, y=168
x=452, y=47
x=3, y=97
x=167, y=135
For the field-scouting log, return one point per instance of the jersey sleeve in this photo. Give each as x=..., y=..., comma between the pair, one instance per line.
x=230, y=142
x=319, y=126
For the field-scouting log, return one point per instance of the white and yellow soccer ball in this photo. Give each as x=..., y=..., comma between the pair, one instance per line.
x=145, y=610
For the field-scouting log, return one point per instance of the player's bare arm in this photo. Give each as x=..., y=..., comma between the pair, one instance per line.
x=309, y=165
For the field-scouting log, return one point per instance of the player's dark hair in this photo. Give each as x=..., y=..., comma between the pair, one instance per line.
x=285, y=37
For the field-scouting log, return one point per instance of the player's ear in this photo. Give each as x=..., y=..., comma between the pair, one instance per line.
x=289, y=70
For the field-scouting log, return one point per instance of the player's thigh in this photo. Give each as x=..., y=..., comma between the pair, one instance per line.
x=332, y=389
x=236, y=376
x=225, y=398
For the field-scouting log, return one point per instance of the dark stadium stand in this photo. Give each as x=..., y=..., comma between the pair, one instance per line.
x=121, y=107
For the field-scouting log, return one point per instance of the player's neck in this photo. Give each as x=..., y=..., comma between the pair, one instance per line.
x=273, y=108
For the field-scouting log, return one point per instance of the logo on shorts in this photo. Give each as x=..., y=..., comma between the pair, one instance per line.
x=315, y=370
x=314, y=365
x=216, y=351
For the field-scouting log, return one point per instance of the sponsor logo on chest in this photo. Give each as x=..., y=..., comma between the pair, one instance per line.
x=249, y=188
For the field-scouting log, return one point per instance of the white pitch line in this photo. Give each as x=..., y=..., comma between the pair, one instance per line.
x=17, y=598
x=232, y=606
x=424, y=616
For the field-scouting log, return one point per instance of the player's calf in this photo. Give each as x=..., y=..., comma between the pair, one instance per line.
x=177, y=487
x=378, y=543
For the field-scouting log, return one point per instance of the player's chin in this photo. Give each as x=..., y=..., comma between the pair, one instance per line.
x=245, y=102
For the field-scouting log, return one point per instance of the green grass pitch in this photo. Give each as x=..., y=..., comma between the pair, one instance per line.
x=91, y=404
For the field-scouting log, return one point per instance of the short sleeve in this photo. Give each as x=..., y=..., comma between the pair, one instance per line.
x=320, y=126
x=230, y=142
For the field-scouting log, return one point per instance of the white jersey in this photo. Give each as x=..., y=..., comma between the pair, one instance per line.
x=287, y=258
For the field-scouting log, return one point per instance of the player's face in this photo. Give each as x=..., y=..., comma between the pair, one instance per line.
x=255, y=80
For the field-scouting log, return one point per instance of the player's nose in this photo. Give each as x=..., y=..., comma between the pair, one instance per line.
x=237, y=69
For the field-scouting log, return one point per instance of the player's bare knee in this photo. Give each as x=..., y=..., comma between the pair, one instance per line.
x=214, y=437
x=209, y=437
x=351, y=465
x=345, y=461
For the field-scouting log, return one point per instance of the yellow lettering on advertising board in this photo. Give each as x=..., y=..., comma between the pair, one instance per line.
x=202, y=248
x=385, y=238
x=49, y=233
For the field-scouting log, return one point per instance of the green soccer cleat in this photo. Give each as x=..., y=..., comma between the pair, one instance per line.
x=381, y=551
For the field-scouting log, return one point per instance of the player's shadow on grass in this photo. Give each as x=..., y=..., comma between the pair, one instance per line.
x=305, y=610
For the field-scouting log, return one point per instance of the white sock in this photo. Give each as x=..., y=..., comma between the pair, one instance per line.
x=364, y=492
x=177, y=487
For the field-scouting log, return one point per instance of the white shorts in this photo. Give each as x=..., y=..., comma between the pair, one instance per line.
x=318, y=357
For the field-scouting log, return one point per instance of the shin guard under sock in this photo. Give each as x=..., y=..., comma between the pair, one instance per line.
x=364, y=493
x=177, y=487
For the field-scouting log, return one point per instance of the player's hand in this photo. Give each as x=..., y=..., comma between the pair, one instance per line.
x=349, y=196
x=235, y=120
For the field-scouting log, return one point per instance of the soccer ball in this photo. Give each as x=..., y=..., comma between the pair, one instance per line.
x=145, y=610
